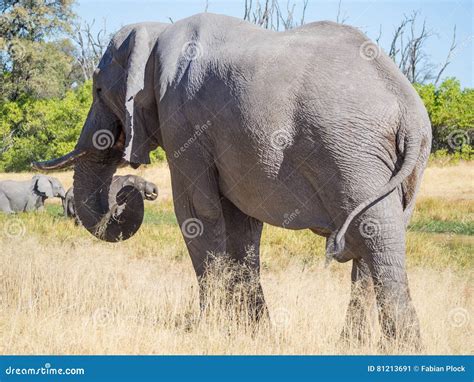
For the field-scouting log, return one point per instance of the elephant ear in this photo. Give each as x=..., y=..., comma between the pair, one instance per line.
x=138, y=100
x=44, y=187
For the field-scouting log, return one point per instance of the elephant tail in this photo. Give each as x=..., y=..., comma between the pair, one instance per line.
x=336, y=243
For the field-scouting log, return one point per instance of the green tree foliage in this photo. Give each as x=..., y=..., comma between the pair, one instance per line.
x=37, y=69
x=32, y=62
x=34, y=20
x=36, y=129
x=39, y=129
x=451, y=111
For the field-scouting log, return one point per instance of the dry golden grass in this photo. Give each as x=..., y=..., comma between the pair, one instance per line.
x=63, y=292
x=449, y=182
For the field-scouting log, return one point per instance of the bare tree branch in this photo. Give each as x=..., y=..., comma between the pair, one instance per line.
x=407, y=50
x=90, y=46
x=452, y=49
x=248, y=8
x=339, y=18
x=396, y=37
x=303, y=13
x=377, y=39
x=269, y=14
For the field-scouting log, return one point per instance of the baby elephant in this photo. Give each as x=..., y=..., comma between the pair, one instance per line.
x=29, y=195
x=148, y=190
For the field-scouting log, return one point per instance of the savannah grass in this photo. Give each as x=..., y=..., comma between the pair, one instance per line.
x=64, y=292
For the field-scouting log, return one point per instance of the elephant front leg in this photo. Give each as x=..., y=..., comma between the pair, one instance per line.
x=243, y=235
x=357, y=327
x=200, y=217
x=5, y=204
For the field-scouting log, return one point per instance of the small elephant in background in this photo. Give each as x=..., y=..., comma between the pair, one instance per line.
x=148, y=190
x=68, y=204
x=23, y=196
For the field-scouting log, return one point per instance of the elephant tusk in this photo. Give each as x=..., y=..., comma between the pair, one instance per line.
x=151, y=195
x=59, y=163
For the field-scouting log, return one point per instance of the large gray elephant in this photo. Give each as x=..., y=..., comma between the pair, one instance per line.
x=313, y=128
x=148, y=190
x=17, y=196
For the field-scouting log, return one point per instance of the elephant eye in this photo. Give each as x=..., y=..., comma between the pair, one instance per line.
x=99, y=90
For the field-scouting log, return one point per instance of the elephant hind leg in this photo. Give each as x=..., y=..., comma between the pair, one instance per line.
x=381, y=231
x=357, y=327
x=397, y=315
x=243, y=235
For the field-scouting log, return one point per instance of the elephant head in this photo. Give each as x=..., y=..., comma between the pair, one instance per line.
x=121, y=128
x=148, y=190
x=47, y=187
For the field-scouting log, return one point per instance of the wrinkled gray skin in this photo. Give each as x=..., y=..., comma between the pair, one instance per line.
x=28, y=195
x=148, y=191
x=299, y=129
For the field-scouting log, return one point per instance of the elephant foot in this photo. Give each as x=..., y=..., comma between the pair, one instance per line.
x=400, y=329
x=355, y=334
x=357, y=328
x=239, y=303
x=246, y=301
x=234, y=291
x=393, y=345
x=253, y=303
x=358, y=324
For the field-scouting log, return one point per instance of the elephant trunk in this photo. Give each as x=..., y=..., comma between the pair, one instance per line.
x=92, y=179
x=151, y=191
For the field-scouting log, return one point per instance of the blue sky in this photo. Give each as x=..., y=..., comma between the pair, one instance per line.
x=368, y=15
